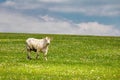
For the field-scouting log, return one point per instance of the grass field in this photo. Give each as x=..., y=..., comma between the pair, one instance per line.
x=70, y=57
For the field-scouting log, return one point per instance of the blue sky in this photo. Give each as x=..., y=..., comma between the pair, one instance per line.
x=81, y=17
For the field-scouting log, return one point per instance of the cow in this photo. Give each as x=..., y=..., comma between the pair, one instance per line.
x=37, y=45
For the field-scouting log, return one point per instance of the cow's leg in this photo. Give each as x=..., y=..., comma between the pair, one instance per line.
x=37, y=54
x=28, y=54
x=28, y=51
x=45, y=55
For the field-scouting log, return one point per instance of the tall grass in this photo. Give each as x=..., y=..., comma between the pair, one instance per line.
x=70, y=57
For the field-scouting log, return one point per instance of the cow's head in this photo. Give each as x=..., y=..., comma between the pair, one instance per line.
x=48, y=40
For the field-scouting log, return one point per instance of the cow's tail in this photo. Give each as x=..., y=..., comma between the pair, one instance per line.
x=24, y=49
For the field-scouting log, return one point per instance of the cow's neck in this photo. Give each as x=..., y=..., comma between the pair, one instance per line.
x=45, y=43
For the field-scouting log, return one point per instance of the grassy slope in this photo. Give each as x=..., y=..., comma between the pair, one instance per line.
x=70, y=57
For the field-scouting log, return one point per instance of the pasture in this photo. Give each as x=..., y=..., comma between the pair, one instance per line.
x=70, y=57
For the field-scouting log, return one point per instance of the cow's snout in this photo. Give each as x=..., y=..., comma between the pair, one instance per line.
x=48, y=43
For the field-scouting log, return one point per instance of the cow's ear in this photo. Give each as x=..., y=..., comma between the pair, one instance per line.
x=51, y=38
x=46, y=37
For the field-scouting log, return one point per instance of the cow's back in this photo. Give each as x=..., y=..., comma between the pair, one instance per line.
x=31, y=42
x=34, y=43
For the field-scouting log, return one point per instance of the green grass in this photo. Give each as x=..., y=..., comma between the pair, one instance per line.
x=70, y=57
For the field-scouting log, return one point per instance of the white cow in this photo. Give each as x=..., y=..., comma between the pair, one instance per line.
x=37, y=45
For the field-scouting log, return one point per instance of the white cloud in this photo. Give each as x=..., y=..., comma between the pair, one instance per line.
x=93, y=7
x=11, y=22
x=53, y=1
x=9, y=3
x=97, y=29
x=98, y=10
x=22, y=5
x=47, y=18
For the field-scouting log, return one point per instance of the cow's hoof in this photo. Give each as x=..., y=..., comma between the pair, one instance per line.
x=37, y=58
x=29, y=58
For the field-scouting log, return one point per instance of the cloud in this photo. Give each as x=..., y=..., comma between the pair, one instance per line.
x=53, y=1
x=11, y=22
x=9, y=3
x=20, y=23
x=96, y=28
x=86, y=7
x=28, y=16
x=90, y=10
x=21, y=5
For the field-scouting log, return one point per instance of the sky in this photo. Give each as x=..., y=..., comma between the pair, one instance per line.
x=78, y=17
